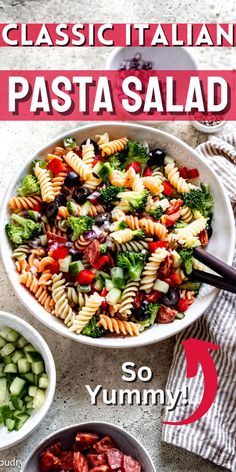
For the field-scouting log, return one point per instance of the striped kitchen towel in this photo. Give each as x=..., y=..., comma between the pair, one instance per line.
x=213, y=436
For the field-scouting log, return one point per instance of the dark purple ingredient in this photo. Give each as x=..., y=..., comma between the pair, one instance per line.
x=81, y=194
x=209, y=231
x=171, y=298
x=102, y=218
x=141, y=313
x=50, y=210
x=71, y=179
x=156, y=157
x=60, y=200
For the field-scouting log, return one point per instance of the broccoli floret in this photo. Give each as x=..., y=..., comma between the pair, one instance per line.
x=187, y=259
x=136, y=200
x=157, y=212
x=114, y=161
x=133, y=262
x=72, y=207
x=199, y=199
x=109, y=194
x=23, y=230
x=29, y=186
x=92, y=330
x=139, y=234
x=151, y=314
x=69, y=144
x=79, y=225
x=134, y=151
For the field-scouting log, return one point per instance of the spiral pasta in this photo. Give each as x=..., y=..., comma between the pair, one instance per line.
x=76, y=297
x=87, y=312
x=186, y=214
x=92, y=183
x=62, y=307
x=136, y=246
x=147, y=225
x=78, y=165
x=41, y=294
x=127, y=298
x=102, y=138
x=151, y=268
x=88, y=153
x=58, y=182
x=114, y=325
x=123, y=235
x=154, y=184
x=23, y=203
x=189, y=233
x=111, y=147
x=21, y=252
x=173, y=176
x=45, y=183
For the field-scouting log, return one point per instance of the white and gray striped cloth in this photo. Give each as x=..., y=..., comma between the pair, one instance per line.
x=213, y=436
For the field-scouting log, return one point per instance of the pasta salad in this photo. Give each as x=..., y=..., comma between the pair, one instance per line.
x=103, y=235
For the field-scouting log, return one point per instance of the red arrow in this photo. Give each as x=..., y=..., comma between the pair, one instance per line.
x=196, y=352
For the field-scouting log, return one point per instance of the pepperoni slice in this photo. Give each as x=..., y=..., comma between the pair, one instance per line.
x=54, y=238
x=166, y=314
x=80, y=462
x=67, y=461
x=101, y=468
x=49, y=463
x=114, y=457
x=92, y=251
x=55, y=448
x=85, y=441
x=95, y=460
x=105, y=444
x=130, y=464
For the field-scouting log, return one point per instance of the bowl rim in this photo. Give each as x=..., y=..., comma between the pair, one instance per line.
x=115, y=343
x=41, y=413
x=116, y=50
x=90, y=424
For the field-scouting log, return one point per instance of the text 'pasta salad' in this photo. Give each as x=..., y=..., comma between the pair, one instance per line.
x=103, y=234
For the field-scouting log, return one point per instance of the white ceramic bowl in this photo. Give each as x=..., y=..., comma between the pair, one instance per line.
x=221, y=243
x=172, y=58
x=9, y=439
x=124, y=440
x=209, y=129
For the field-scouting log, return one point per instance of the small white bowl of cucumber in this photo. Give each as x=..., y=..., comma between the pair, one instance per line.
x=27, y=379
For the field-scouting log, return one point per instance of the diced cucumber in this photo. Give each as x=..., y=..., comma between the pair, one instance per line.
x=97, y=167
x=39, y=399
x=27, y=398
x=10, y=369
x=29, y=348
x=43, y=239
x=179, y=316
x=113, y=296
x=76, y=267
x=105, y=171
x=18, y=424
x=36, y=380
x=23, y=417
x=109, y=284
x=29, y=405
x=22, y=342
x=85, y=208
x=43, y=381
x=8, y=349
x=168, y=160
x=23, y=366
x=29, y=377
x=7, y=360
x=4, y=332
x=3, y=389
x=195, y=286
x=34, y=215
x=84, y=288
x=117, y=276
x=17, y=356
x=10, y=424
x=32, y=390
x=17, y=403
x=161, y=286
x=38, y=367
x=33, y=356
x=2, y=342
x=17, y=386
x=98, y=284
x=104, y=275
x=65, y=263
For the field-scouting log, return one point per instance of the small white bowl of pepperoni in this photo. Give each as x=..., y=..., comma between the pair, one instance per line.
x=90, y=447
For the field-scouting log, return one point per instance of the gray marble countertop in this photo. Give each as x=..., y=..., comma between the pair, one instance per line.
x=77, y=364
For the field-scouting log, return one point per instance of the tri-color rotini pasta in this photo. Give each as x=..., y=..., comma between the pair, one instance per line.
x=103, y=234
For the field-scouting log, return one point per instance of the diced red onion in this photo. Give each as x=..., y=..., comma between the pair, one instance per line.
x=94, y=197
